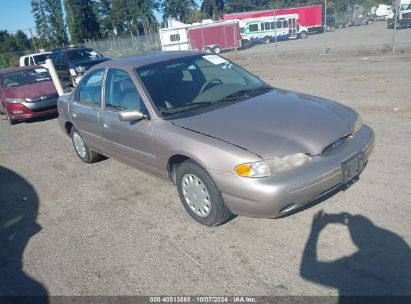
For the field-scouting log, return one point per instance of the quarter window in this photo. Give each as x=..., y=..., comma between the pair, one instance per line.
x=121, y=93
x=89, y=91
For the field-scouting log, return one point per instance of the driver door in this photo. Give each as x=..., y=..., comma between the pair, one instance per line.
x=128, y=141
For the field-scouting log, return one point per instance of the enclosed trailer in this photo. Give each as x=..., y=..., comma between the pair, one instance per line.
x=209, y=36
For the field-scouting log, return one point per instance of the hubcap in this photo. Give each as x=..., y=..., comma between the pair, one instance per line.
x=196, y=195
x=79, y=145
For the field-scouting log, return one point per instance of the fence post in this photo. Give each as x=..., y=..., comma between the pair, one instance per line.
x=396, y=16
x=325, y=28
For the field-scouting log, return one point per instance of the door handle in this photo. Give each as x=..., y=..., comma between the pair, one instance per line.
x=105, y=123
x=75, y=114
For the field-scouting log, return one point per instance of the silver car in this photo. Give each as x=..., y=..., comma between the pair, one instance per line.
x=231, y=143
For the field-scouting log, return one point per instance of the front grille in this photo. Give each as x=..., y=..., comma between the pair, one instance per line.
x=44, y=109
x=337, y=144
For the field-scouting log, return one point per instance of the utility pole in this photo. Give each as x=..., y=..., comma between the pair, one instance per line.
x=325, y=28
x=396, y=16
x=32, y=39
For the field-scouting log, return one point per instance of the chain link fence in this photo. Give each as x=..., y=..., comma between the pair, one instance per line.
x=122, y=47
x=359, y=26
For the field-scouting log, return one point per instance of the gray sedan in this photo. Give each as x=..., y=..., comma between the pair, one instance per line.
x=231, y=143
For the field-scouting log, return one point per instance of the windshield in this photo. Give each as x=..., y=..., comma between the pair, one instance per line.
x=76, y=54
x=41, y=59
x=18, y=78
x=198, y=81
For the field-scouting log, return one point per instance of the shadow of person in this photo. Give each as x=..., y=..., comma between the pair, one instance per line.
x=381, y=266
x=18, y=213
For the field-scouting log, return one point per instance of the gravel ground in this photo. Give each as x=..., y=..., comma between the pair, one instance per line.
x=68, y=228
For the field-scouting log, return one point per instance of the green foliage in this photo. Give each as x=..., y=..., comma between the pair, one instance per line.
x=178, y=9
x=12, y=47
x=81, y=20
x=213, y=8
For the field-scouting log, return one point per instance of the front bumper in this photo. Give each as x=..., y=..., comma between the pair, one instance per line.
x=276, y=195
x=28, y=110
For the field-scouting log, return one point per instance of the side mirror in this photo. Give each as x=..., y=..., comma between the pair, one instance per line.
x=131, y=115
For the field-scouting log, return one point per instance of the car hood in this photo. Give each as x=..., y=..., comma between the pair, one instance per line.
x=43, y=88
x=276, y=123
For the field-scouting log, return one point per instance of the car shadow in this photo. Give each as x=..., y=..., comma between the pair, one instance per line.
x=19, y=207
x=40, y=119
x=381, y=266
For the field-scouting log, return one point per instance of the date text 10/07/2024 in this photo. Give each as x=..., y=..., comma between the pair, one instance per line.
x=202, y=299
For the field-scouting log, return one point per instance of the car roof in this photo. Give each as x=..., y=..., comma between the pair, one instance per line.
x=35, y=54
x=145, y=59
x=22, y=68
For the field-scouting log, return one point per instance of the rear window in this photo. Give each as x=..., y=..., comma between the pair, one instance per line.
x=75, y=54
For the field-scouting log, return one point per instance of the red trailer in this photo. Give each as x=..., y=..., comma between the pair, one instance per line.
x=214, y=36
x=308, y=16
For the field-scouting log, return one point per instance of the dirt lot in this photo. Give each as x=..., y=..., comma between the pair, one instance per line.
x=107, y=229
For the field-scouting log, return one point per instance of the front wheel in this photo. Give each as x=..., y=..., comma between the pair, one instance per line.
x=200, y=195
x=303, y=35
x=11, y=121
x=83, y=151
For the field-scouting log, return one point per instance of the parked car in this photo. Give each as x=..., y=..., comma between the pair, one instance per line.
x=71, y=63
x=35, y=59
x=26, y=92
x=230, y=142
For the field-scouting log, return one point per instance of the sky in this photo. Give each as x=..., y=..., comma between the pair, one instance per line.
x=16, y=15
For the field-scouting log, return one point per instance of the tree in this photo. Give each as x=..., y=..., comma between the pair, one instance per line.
x=213, y=8
x=22, y=41
x=39, y=10
x=178, y=9
x=103, y=12
x=59, y=35
x=81, y=20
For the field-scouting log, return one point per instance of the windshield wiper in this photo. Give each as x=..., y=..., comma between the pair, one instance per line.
x=187, y=106
x=246, y=93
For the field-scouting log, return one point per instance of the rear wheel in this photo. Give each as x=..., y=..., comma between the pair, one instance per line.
x=217, y=49
x=200, y=195
x=83, y=151
x=207, y=49
x=266, y=40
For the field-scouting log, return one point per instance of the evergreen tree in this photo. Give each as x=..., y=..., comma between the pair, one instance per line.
x=213, y=8
x=103, y=12
x=178, y=9
x=22, y=41
x=59, y=35
x=41, y=20
x=81, y=20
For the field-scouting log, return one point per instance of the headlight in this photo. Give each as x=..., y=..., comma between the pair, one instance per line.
x=288, y=162
x=80, y=69
x=357, y=125
x=15, y=100
x=256, y=169
x=73, y=72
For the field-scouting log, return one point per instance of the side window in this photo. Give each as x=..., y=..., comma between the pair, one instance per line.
x=267, y=26
x=89, y=91
x=272, y=25
x=26, y=61
x=253, y=27
x=175, y=37
x=279, y=24
x=121, y=93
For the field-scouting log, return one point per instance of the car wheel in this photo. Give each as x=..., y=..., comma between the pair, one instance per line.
x=200, y=195
x=266, y=40
x=207, y=50
x=217, y=49
x=83, y=151
x=303, y=35
x=11, y=121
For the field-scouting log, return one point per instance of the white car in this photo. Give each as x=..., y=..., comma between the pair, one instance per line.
x=35, y=59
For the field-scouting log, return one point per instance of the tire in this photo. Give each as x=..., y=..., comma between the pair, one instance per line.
x=11, y=121
x=207, y=50
x=303, y=35
x=83, y=152
x=216, y=49
x=266, y=40
x=191, y=177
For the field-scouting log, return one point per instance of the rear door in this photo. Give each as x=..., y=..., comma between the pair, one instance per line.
x=129, y=141
x=84, y=111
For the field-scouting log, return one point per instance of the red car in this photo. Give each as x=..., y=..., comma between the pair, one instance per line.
x=27, y=92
